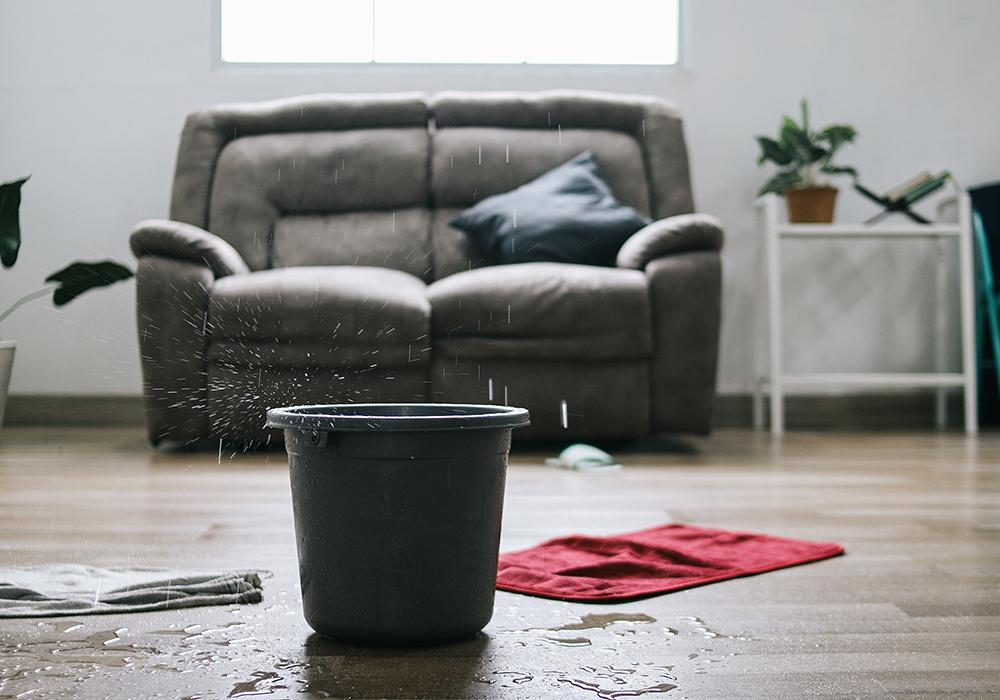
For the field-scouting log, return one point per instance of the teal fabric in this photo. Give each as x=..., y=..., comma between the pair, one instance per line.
x=584, y=458
x=989, y=304
x=568, y=215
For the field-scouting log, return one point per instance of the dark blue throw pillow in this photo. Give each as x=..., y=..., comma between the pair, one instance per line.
x=566, y=215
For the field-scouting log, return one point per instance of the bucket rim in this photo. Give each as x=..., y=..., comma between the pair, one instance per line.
x=396, y=417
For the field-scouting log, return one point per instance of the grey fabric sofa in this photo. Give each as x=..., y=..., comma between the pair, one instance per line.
x=308, y=259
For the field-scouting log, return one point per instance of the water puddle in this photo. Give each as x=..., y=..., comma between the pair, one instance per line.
x=61, y=626
x=260, y=683
x=568, y=641
x=601, y=621
x=621, y=634
x=517, y=677
x=73, y=654
x=23, y=665
x=616, y=623
x=78, y=655
x=606, y=682
x=698, y=626
x=612, y=694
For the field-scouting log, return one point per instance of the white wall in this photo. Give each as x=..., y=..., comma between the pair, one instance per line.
x=93, y=96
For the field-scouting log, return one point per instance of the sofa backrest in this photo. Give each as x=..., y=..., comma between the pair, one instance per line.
x=316, y=180
x=374, y=179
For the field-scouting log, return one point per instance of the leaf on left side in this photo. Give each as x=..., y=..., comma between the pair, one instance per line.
x=79, y=277
x=10, y=223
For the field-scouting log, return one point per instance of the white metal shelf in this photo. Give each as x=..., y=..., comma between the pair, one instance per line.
x=877, y=379
x=775, y=380
x=863, y=231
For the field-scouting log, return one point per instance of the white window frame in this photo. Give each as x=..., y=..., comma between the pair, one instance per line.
x=683, y=63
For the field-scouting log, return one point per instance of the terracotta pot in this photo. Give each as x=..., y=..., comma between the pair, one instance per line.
x=811, y=205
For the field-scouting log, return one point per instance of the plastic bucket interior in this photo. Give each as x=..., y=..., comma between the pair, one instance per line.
x=404, y=417
x=398, y=510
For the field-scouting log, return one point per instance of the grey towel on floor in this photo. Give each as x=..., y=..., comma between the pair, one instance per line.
x=72, y=589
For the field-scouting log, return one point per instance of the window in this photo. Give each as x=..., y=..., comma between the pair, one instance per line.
x=622, y=32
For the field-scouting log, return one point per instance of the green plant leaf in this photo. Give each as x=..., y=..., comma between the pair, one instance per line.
x=819, y=153
x=796, y=140
x=77, y=278
x=837, y=135
x=804, y=106
x=772, y=150
x=781, y=182
x=839, y=170
x=789, y=130
x=10, y=221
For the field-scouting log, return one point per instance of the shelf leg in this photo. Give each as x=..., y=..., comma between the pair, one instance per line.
x=773, y=253
x=940, y=334
x=758, y=403
x=759, y=319
x=965, y=275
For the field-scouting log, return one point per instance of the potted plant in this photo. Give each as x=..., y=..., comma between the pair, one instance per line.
x=65, y=285
x=801, y=155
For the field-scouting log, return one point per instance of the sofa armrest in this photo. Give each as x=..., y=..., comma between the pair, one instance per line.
x=676, y=234
x=172, y=314
x=686, y=295
x=173, y=239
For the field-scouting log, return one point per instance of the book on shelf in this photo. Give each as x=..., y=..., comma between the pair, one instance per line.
x=897, y=193
x=927, y=187
x=916, y=187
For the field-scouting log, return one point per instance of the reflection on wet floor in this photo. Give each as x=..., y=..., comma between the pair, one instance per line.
x=611, y=694
x=568, y=641
x=260, y=683
x=603, y=621
x=608, y=655
x=698, y=625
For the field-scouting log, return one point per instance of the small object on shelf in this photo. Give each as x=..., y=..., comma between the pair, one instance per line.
x=899, y=198
x=898, y=192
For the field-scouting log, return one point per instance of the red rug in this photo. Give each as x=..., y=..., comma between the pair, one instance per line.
x=659, y=560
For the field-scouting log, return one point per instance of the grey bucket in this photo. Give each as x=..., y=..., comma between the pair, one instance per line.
x=397, y=516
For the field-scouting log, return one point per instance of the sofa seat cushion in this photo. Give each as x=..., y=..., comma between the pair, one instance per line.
x=542, y=310
x=341, y=316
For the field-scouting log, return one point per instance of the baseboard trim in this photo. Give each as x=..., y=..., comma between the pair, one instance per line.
x=91, y=410
x=857, y=411
x=861, y=411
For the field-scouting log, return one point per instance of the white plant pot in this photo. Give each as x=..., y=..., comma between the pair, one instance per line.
x=7, y=348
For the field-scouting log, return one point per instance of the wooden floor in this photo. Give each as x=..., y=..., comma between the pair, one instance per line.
x=912, y=609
